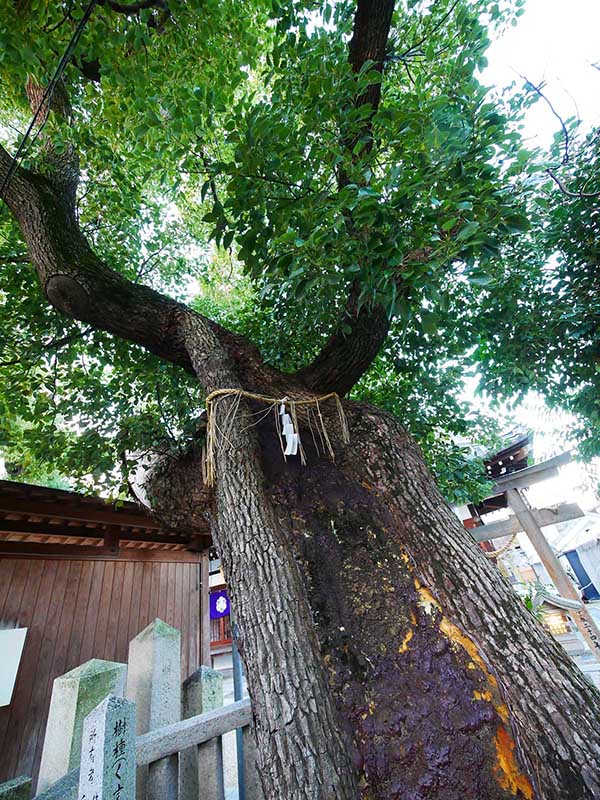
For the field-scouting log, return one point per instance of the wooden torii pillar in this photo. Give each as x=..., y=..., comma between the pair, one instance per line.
x=512, y=485
x=198, y=544
x=205, y=657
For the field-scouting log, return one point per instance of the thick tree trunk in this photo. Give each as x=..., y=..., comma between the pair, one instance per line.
x=386, y=658
x=303, y=751
x=465, y=694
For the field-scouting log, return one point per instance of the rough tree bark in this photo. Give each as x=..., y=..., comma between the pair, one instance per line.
x=386, y=658
x=441, y=684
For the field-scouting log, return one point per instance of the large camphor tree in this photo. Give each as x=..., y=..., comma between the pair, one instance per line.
x=342, y=189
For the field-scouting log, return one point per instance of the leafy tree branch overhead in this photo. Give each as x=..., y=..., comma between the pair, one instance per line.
x=290, y=200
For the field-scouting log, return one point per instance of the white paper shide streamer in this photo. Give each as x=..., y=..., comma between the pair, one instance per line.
x=287, y=430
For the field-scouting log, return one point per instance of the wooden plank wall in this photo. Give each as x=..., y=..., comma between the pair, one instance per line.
x=74, y=611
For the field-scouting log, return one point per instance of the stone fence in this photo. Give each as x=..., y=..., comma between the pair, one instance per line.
x=133, y=732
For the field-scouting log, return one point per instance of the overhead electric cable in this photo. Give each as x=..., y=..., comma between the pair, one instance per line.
x=47, y=96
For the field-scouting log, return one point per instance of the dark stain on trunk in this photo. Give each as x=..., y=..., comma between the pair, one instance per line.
x=424, y=710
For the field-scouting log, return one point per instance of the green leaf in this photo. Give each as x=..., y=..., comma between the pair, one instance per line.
x=429, y=322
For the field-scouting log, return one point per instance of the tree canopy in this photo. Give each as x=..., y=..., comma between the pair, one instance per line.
x=269, y=203
x=552, y=344
x=230, y=157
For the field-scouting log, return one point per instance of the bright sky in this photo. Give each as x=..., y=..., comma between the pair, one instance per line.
x=556, y=42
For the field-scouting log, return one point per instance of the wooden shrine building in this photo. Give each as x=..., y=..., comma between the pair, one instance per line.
x=80, y=578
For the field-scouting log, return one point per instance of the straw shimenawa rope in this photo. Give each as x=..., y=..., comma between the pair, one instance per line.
x=501, y=550
x=217, y=436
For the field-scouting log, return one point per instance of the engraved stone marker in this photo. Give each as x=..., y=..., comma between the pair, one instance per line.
x=108, y=752
x=74, y=695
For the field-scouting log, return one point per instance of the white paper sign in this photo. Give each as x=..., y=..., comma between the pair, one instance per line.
x=11, y=648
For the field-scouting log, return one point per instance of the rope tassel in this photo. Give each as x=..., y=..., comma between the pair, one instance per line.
x=217, y=437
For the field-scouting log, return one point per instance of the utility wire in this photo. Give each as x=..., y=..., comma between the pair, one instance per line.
x=47, y=96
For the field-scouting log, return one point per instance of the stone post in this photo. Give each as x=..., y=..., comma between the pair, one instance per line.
x=154, y=685
x=202, y=767
x=252, y=784
x=17, y=789
x=65, y=788
x=74, y=695
x=108, y=752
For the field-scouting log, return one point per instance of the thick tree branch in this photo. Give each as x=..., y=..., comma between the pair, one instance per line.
x=134, y=8
x=369, y=41
x=346, y=357
x=81, y=286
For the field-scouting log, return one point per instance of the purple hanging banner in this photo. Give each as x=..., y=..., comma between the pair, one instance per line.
x=219, y=604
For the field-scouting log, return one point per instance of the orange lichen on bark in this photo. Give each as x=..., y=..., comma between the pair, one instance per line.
x=426, y=599
x=454, y=633
x=404, y=646
x=507, y=770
